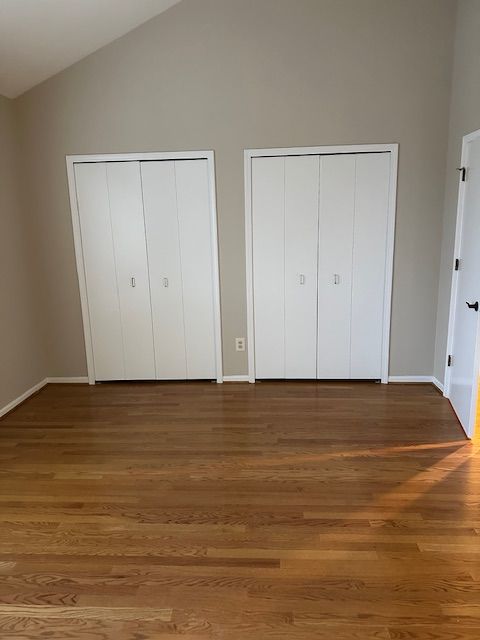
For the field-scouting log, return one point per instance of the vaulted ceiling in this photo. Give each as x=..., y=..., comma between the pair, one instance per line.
x=39, y=38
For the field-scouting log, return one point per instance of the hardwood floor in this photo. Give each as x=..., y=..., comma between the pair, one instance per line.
x=275, y=511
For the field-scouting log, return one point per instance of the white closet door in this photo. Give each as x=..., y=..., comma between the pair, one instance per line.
x=268, y=212
x=100, y=273
x=163, y=243
x=301, y=225
x=335, y=246
x=369, y=256
x=195, y=234
x=126, y=207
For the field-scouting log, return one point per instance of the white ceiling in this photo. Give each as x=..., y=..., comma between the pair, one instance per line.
x=38, y=38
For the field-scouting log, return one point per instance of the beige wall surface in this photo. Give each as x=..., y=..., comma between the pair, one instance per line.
x=22, y=362
x=464, y=118
x=234, y=74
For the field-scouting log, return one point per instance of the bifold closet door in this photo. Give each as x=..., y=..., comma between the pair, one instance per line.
x=354, y=192
x=301, y=221
x=179, y=236
x=285, y=215
x=100, y=273
x=372, y=187
x=163, y=242
x=128, y=226
x=335, y=246
x=115, y=257
x=268, y=212
x=194, y=224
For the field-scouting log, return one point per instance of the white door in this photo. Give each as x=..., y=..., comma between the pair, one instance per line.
x=100, y=271
x=372, y=187
x=110, y=204
x=180, y=255
x=301, y=222
x=149, y=254
x=335, y=249
x=319, y=231
x=285, y=219
x=161, y=221
x=352, y=240
x=128, y=228
x=268, y=211
x=465, y=348
x=196, y=254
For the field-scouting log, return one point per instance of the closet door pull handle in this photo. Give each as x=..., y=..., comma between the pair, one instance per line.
x=165, y=282
x=336, y=278
x=473, y=305
x=133, y=282
x=302, y=278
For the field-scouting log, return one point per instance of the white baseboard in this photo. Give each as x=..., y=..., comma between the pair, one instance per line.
x=14, y=403
x=72, y=380
x=240, y=378
x=407, y=379
x=404, y=379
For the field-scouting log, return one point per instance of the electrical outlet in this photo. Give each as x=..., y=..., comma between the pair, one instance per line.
x=239, y=344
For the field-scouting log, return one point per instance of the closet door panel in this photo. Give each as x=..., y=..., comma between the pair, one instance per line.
x=369, y=255
x=268, y=211
x=126, y=206
x=101, y=277
x=163, y=246
x=337, y=194
x=301, y=229
x=195, y=234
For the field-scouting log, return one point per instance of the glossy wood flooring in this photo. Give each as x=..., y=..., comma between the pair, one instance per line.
x=275, y=511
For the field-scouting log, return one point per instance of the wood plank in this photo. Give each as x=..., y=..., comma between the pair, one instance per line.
x=283, y=510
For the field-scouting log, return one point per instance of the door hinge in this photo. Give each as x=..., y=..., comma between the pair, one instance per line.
x=449, y=361
x=457, y=264
x=464, y=172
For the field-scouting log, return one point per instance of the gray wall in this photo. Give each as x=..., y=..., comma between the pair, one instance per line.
x=464, y=118
x=22, y=361
x=233, y=74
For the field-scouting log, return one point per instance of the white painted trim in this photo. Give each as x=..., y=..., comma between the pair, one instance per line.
x=216, y=267
x=82, y=281
x=138, y=157
x=323, y=150
x=239, y=378
x=249, y=265
x=68, y=380
x=454, y=288
x=410, y=379
x=387, y=304
x=437, y=383
x=24, y=396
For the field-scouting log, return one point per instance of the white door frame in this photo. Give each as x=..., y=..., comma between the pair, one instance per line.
x=249, y=154
x=454, y=288
x=77, y=237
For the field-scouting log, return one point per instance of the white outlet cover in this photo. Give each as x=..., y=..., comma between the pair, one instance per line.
x=240, y=344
